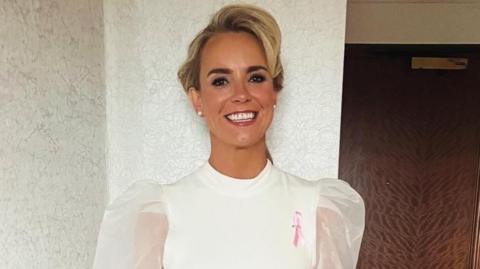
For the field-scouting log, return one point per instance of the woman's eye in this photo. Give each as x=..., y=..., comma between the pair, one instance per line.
x=218, y=82
x=257, y=78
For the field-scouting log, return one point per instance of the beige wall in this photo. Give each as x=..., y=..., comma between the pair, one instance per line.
x=413, y=22
x=52, y=133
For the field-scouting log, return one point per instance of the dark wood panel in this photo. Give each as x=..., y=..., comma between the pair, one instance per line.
x=409, y=145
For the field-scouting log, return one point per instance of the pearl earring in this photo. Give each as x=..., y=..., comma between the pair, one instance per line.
x=200, y=113
x=274, y=106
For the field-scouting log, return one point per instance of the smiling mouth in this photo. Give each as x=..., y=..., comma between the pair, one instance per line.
x=241, y=117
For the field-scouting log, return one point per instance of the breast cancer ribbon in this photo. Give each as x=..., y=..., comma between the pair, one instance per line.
x=298, y=239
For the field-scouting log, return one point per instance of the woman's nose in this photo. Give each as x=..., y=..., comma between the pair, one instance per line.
x=240, y=93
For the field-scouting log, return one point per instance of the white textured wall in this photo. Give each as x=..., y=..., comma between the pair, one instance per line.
x=54, y=112
x=152, y=131
x=413, y=21
x=52, y=133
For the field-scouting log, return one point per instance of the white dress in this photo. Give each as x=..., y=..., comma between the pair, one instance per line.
x=211, y=221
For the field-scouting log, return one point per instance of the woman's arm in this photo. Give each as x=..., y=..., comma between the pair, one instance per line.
x=133, y=230
x=150, y=234
x=340, y=225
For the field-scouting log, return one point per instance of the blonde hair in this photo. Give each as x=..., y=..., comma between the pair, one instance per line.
x=236, y=18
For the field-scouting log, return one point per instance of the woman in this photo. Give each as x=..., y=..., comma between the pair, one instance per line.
x=237, y=210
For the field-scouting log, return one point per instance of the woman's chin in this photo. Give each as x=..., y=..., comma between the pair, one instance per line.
x=246, y=141
x=239, y=140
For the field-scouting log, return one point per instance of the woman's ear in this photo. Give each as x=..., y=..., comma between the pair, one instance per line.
x=195, y=99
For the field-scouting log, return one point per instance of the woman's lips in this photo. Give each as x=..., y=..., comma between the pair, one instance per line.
x=242, y=118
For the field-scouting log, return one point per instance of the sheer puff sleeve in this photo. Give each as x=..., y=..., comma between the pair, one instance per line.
x=340, y=225
x=133, y=230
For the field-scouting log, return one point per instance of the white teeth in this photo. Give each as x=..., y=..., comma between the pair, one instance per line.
x=241, y=116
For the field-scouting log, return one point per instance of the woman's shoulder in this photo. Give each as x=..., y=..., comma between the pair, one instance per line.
x=137, y=195
x=291, y=179
x=296, y=180
x=150, y=190
x=330, y=188
x=339, y=192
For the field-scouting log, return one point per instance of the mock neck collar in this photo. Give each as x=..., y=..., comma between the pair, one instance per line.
x=231, y=186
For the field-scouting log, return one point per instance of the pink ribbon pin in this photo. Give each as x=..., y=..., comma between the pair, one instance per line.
x=297, y=225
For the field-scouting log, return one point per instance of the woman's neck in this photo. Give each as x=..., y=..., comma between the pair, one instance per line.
x=241, y=163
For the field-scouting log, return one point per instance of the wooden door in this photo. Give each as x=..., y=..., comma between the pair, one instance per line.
x=410, y=144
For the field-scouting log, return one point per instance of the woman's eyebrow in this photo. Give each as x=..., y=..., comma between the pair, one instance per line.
x=256, y=68
x=219, y=71
x=228, y=71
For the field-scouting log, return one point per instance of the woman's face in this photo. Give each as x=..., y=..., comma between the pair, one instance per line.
x=236, y=94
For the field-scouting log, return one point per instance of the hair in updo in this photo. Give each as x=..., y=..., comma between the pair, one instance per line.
x=236, y=18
